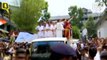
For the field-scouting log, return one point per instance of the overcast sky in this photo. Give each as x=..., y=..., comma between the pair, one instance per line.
x=60, y=7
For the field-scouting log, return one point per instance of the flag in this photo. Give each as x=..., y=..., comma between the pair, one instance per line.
x=2, y=22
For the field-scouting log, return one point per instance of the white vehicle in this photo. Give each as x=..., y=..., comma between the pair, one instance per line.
x=50, y=39
x=40, y=48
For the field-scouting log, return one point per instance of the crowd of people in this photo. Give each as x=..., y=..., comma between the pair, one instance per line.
x=59, y=28
x=14, y=51
x=90, y=49
x=93, y=49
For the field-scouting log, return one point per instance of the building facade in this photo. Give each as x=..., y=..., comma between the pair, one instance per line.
x=86, y=14
x=102, y=26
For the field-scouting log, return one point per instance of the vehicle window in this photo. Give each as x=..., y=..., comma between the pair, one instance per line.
x=44, y=46
x=35, y=44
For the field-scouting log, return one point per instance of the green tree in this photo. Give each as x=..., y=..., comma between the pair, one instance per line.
x=91, y=27
x=46, y=14
x=75, y=32
x=101, y=2
x=76, y=15
x=27, y=15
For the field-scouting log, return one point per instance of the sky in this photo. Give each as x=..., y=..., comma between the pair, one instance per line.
x=60, y=7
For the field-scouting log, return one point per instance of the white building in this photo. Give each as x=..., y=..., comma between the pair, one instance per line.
x=102, y=26
x=87, y=13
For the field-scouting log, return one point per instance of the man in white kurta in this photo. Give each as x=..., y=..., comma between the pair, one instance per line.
x=59, y=29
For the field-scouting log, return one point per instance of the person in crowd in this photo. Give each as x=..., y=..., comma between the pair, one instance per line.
x=12, y=50
x=103, y=55
x=12, y=36
x=67, y=29
x=92, y=53
x=59, y=29
x=84, y=35
x=78, y=51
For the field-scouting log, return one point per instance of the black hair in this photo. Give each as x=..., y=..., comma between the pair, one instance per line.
x=103, y=55
x=92, y=52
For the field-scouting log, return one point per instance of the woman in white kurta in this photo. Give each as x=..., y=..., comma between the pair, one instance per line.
x=46, y=28
x=50, y=33
x=40, y=31
x=54, y=29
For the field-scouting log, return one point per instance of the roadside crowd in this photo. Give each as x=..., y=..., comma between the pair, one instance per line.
x=90, y=49
x=93, y=49
x=14, y=51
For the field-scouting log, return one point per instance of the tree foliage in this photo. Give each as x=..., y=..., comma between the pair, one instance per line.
x=91, y=27
x=101, y=2
x=26, y=16
x=75, y=32
x=46, y=14
x=76, y=15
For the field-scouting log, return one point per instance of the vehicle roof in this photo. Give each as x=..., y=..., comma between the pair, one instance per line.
x=50, y=39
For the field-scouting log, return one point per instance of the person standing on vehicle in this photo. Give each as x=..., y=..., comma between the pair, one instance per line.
x=67, y=29
x=59, y=29
x=46, y=29
x=40, y=30
x=50, y=32
x=54, y=29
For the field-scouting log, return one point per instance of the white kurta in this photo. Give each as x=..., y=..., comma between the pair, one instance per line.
x=46, y=28
x=40, y=32
x=54, y=30
x=50, y=33
x=59, y=29
x=97, y=57
x=84, y=32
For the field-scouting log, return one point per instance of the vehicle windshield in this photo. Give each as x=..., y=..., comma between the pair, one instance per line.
x=43, y=46
x=35, y=44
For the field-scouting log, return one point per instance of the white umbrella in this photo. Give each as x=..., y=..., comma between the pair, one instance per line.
x=24, y=37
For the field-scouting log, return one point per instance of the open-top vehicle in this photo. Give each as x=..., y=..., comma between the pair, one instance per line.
x=40, y=48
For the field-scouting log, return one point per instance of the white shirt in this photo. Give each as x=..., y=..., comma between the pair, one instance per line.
x=84, y=32
x=97, y=57
x=59, y=26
